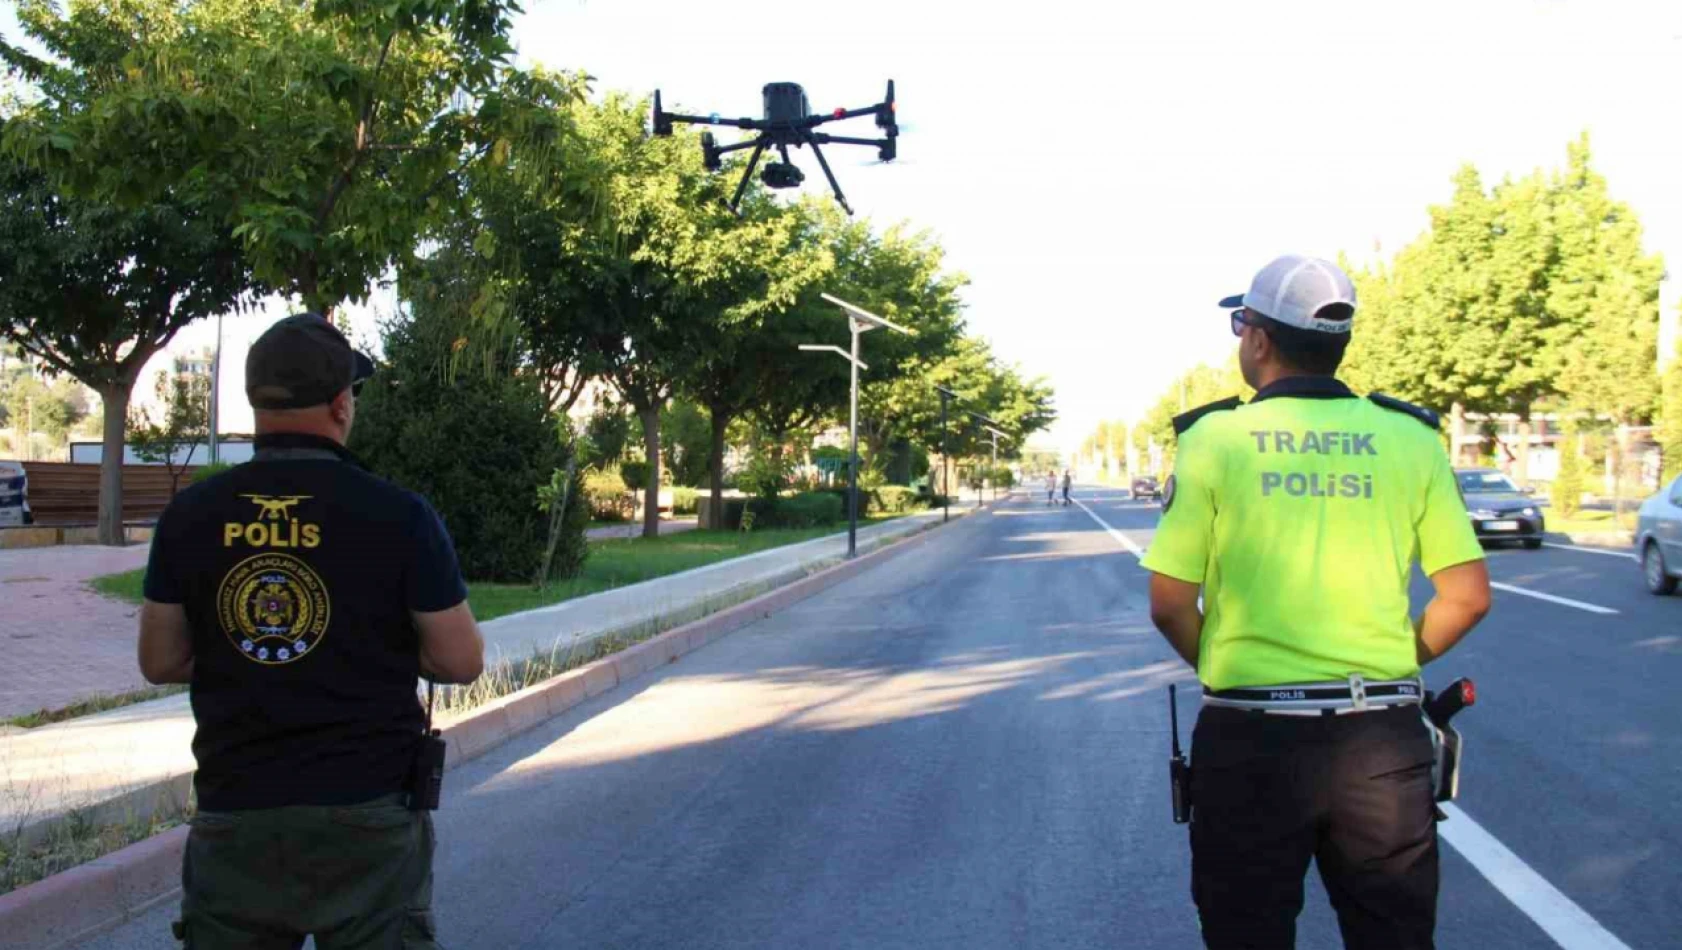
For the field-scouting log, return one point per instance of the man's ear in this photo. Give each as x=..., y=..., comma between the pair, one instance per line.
x=343, y=406
x=1261, y=346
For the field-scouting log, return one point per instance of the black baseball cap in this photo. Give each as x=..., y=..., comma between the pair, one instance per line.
x=302, y=361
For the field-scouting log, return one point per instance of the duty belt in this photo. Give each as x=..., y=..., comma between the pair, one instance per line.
x=1320, y=699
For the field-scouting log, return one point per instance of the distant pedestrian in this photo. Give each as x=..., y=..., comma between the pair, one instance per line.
x=303, y=598
x=1051, y=487
x=1068, y=479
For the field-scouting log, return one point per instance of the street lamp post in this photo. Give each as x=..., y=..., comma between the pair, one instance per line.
x=993, y=476
x=946, y=396
x=215, y=395
x=860, y=321
x=990, y=424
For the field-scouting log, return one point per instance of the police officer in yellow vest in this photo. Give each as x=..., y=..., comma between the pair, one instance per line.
x=1298, y=518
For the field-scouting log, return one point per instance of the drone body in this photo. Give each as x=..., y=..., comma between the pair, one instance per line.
x=788, y=120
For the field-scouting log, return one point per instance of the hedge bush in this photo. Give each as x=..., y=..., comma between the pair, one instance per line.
x=476, y=444
x=634, y=472
x=609, y=498
x=684, y=500
x=894, y=499
x=209, y=471
x=806, y=510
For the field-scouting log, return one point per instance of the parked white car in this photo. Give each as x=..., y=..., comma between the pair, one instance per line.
x=1658, y=539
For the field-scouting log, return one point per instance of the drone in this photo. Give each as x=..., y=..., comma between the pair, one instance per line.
x=788, y=120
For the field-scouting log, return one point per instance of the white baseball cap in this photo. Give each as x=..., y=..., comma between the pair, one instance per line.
x=1296, y=291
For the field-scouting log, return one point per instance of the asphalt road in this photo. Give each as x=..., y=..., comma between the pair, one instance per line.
x=965, y=747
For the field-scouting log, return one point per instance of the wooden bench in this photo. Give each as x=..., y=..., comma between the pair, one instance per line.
x=62, y=493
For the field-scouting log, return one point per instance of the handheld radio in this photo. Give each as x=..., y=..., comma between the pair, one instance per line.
x=1179, y=771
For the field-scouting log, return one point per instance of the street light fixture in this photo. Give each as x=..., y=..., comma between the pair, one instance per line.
x=991, y=425
x=860, y=321
x=994, y=474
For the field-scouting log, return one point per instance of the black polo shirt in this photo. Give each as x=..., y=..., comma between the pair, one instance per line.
x=298, y=571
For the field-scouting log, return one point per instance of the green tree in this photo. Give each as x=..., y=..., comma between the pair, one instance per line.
x=183, y=422
x=650, y=265
x=1535, y=290
x=325, y=134
x=93, y=290
x=1566, y=492
x=751, y=361
x=607, y=431
x=1196, y=387
x=1603, y=290
x=1670, y=417
x=686, y=442
x=478, y=444
x=51, y=408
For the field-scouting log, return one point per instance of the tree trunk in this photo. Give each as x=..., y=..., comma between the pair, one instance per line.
x=715, y=462
x=777, y=462
x=651, y=490
x=115, y=396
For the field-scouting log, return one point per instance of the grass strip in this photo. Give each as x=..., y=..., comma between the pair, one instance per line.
x=75, y=841
x=613, y=563
x=96, y=704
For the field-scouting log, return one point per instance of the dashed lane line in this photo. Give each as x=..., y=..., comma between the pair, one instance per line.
x=1588, y=550
x=1552, y=599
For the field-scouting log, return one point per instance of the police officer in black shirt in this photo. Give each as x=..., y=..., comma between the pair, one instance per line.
x=302, y=598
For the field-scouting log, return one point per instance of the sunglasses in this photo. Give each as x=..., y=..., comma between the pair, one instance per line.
x=356, y=388
x=1240, y=321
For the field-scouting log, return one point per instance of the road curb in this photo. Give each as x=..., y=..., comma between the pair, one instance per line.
x=81, y=902
x=1601, y=539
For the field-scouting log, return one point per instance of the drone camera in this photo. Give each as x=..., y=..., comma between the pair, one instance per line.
x=781, y=175
x=710, y=157
x=785, y=102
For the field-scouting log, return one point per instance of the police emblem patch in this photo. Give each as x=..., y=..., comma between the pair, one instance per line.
x=273, y=608
x=1168, y=494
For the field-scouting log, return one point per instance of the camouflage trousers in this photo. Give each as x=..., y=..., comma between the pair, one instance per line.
x=355, y=877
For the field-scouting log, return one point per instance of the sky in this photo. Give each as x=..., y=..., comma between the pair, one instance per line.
x=1104, y=172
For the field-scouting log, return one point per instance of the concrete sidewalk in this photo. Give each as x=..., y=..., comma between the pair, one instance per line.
x=63, y=642
x=130, y=760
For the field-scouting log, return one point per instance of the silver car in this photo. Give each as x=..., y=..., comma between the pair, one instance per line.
x=1658, y=539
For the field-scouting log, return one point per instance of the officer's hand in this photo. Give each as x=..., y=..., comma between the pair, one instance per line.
x=451, y=647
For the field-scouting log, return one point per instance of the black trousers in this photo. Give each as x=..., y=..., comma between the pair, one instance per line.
x=1352, y=793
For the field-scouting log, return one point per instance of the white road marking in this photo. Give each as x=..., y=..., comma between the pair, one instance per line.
x=1122, y=539
x=1588, y=550
x=1563, y=601
x=1569, y=925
